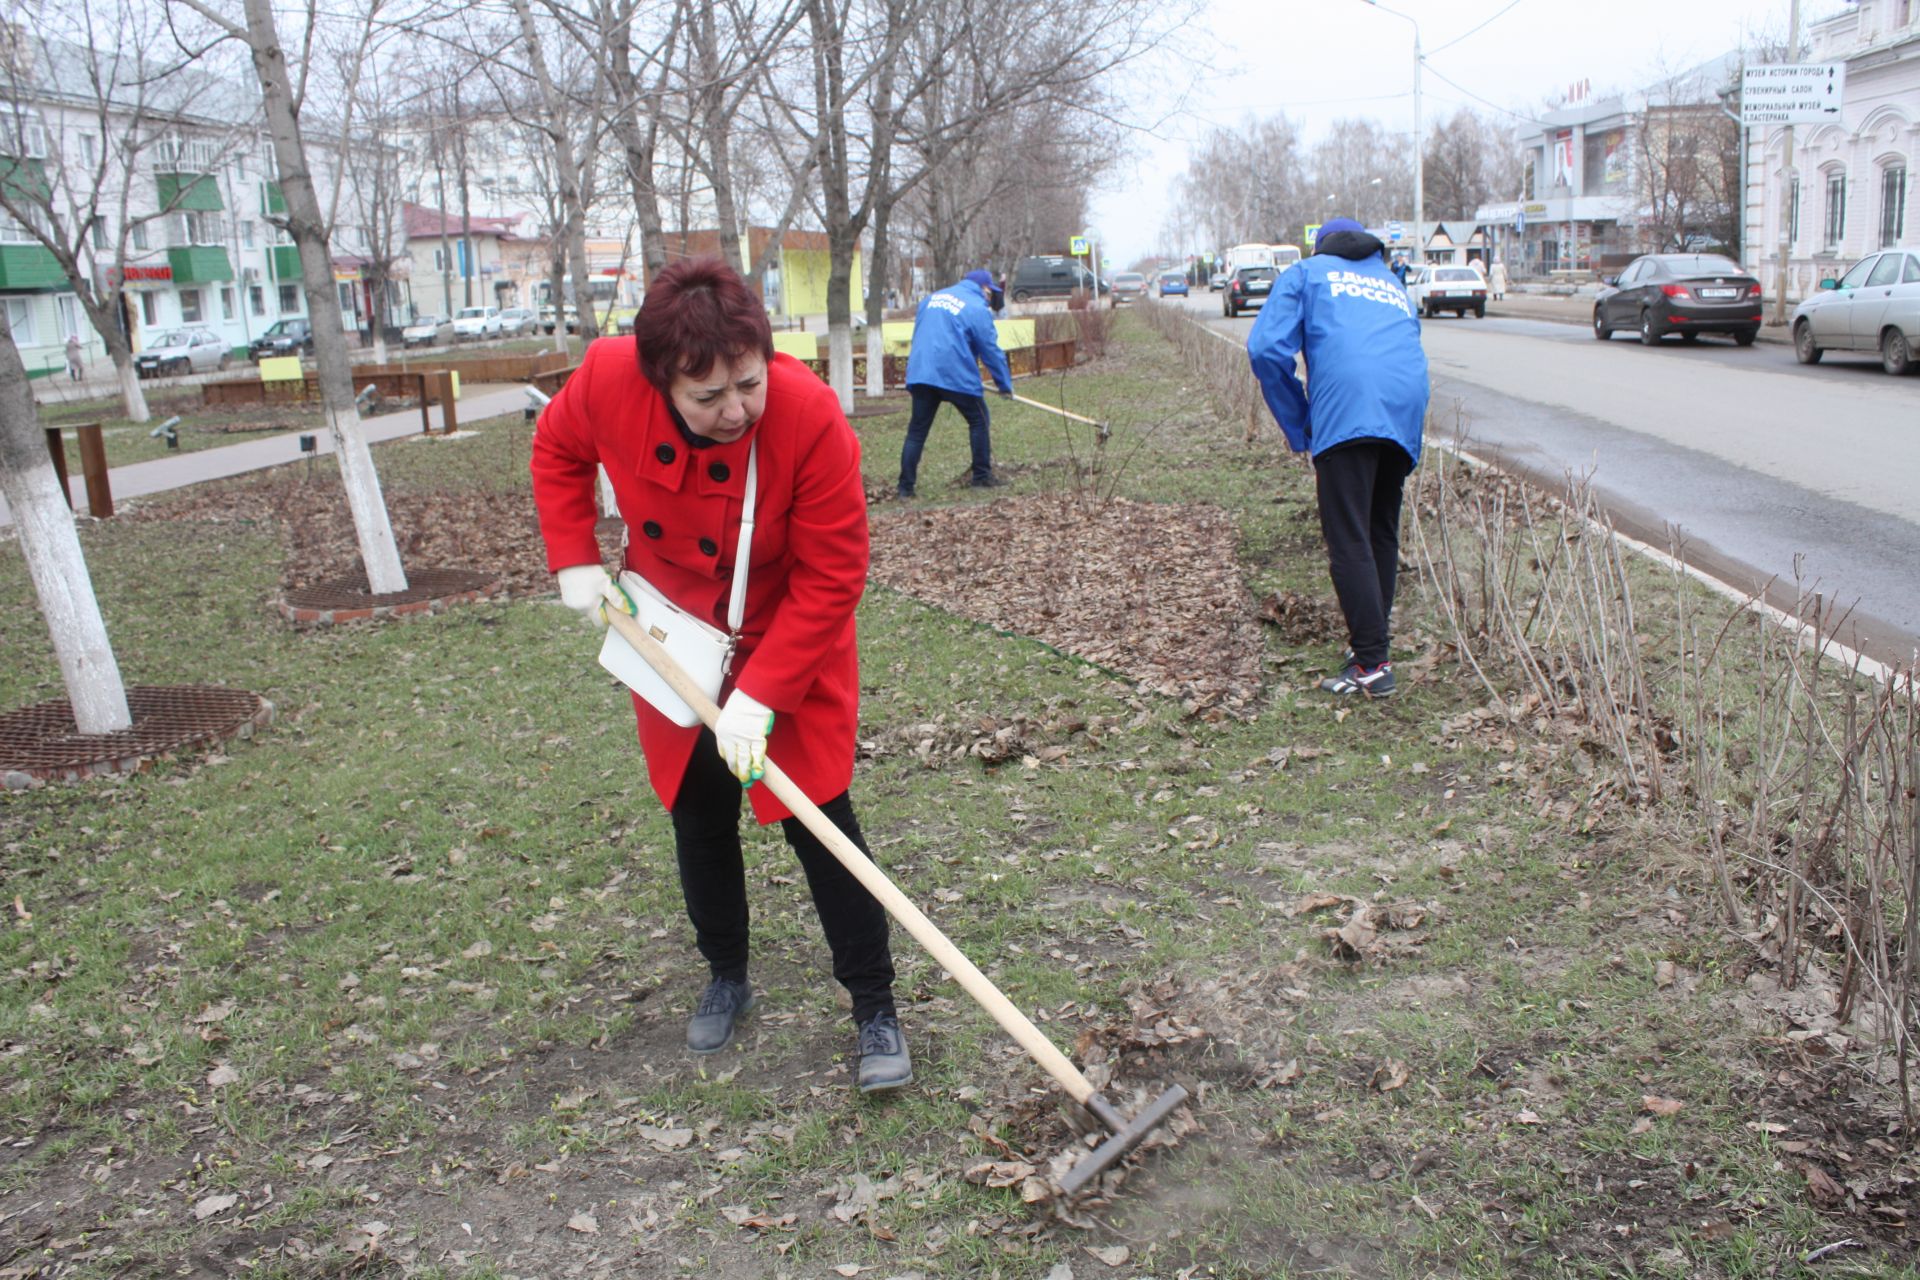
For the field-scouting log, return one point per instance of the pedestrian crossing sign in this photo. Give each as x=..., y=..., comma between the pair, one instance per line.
x=1077, y=246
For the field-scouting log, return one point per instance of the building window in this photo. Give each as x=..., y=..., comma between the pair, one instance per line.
x=87, y=154
x=440, y=260
x=1793, y=209
x=1893, y=205
x=97, y=232
x=1836, y=210
x=137, y=234
x=67, y=307
x=20, y=320
x=226, y=302
x=257, y=299
x=190, y=306
x=246, y=232
x=149, y=309
x=289, y=299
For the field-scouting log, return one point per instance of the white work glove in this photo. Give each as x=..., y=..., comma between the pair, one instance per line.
x=741, y=733
x=583, y=588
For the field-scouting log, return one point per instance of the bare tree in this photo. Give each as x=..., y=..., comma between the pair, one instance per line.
x=283, y=90
x=82, y=177
x=1469, y=161
x=1687, y=166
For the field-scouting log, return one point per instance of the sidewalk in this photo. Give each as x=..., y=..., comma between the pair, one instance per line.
x=181, y=470
x=1576, y=309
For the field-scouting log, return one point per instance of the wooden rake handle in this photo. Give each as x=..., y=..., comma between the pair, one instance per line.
x=1035, y=404
x=866, y=871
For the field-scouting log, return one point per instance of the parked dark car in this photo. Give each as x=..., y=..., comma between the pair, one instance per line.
x=291, y=337
x=1684, y=293
x=1051, y=278
x=1247, y=287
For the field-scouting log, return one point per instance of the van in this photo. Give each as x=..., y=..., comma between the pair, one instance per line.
x=1051, y=277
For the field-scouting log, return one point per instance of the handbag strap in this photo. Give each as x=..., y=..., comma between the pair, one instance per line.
x=737, y=604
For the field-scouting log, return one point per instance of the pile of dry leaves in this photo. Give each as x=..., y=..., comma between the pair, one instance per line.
x=1150, y=590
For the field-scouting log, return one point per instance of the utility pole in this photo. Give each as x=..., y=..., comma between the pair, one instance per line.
x=1786, y=185
x=1419, y=143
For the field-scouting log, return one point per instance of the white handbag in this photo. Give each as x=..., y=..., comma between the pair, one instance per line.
x=702, y=650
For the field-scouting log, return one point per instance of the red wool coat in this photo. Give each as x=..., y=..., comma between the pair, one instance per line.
x=797, y=651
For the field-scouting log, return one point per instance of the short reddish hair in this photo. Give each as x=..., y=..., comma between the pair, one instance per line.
x=698, y=312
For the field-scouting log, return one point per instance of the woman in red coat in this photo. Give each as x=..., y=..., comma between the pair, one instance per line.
x=672, y=414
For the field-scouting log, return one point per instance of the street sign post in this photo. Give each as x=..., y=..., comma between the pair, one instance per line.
x=1792, y=93
x=1313, y=232
x=1395, y=231
x=1077, y=246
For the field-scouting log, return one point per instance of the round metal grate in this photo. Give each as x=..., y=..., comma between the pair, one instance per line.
x=423, y=585
x=41, y=741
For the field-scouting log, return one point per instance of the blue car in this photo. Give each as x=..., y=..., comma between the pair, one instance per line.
x=1173, y=285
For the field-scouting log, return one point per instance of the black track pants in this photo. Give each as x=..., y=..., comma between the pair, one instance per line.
x=1359, y=486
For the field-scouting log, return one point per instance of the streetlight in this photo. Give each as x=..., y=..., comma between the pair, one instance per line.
x=1419, y=192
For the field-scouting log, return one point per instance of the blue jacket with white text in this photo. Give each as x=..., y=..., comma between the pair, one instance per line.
x=1366, y=370
x=953, y=335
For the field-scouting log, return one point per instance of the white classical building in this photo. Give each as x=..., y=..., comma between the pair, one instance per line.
x=1851, y=189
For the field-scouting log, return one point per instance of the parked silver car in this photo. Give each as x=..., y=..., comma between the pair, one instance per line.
x=515, y=321
x=427, y=331
x=182, y=351
x=1875, y=306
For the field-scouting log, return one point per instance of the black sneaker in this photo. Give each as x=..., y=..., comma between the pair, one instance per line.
x=721, y=1007
x=1374, y=682
x=904, y=495
x=884, y=1061
x=989, y=482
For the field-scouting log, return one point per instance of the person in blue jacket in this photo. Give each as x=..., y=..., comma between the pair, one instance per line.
x=953, y=335
x=1352, y=321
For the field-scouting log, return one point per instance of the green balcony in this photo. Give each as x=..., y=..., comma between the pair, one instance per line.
x=25, y=180
x=29, y=266
x=198, y=192
x=271, y=201
x=199, y=264
x=284, y=259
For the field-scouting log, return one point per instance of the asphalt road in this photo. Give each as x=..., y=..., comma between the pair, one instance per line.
x=1760, y=467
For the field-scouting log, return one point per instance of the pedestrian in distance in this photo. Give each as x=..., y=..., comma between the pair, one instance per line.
x=953, y=335
x=1497, y=280
x=1361, y=415
x=690, y=415
x=76, y=367
x=1399, y=269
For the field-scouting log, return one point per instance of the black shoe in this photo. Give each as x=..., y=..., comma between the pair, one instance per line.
x=990, y=482
x=905, y=495
x=1375, y=682
x=884, y=1061
x=722, y=1005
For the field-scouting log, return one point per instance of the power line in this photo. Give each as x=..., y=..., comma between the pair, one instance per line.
x=1457, y=39
x=1486, y=103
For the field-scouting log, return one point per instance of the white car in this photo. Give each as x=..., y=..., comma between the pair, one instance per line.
x=182, y=351
x=476, y=322
x=516, y=320
x=426, y=331
x=1875, y=306
x=1455, y=289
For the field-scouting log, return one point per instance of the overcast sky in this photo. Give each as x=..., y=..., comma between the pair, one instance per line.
x=1318, y=60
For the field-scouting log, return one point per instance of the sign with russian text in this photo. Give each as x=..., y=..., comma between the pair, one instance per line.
x=1792, y=93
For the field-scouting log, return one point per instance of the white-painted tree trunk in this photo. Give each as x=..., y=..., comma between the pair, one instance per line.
x=840, y=362
x=876, y=360
x=379, y=344
x=378, y=551
x=55, y=561
x=133, y=396
x=609, y=505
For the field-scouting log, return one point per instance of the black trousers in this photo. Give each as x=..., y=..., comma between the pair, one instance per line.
x=706, y=840
x=1359, y=485
x=926, y=403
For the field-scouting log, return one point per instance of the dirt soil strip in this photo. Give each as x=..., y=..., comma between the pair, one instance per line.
x=1150, y=590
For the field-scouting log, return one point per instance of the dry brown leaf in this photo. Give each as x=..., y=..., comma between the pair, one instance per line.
x=1281, y=1073
x=1823, y=1188
x=1664, y=973
x=1000, y=1173
x=585, y=1223
x=665, y=1139
x=222, y=1075
x=208, y=1206
x=214, y=1013
x=1390, y=1075
x=1655, y=1105
x=1114, y=1255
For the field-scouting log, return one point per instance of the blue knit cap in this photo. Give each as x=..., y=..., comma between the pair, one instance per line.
x=1338, y=224
x=982, y=278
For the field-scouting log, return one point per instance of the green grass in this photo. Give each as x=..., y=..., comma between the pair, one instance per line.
x=469, y=778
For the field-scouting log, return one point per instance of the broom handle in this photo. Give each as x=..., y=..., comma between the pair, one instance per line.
x=867, y=872
x=1051, y=409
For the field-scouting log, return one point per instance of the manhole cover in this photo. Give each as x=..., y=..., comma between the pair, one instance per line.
x=350, y=599
x=41, y=741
